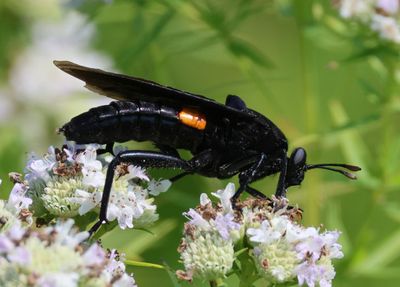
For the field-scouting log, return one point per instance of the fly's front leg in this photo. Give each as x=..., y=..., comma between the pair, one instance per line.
x=141, y=158
x=281, y=187
x=248, y=176
x=254, y=192
x=108, y=149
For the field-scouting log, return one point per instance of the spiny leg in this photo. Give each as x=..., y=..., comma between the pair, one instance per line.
x=141, y=158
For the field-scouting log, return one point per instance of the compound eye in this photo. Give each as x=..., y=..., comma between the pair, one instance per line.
x=298, y=156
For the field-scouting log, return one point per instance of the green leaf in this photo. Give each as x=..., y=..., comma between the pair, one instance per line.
x=142, y=44
x=242, y=49
x=386, y=252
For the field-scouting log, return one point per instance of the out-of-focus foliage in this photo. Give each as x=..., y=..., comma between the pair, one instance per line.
x=331, y=84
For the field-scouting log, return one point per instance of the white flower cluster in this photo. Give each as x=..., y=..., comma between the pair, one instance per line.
x=282, y=250
x=381, y=16
x=69, y=182
x=55, y=257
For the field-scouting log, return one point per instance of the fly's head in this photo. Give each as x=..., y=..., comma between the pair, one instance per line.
x=297, y=167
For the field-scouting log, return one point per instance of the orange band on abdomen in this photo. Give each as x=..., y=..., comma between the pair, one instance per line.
x=192, y=118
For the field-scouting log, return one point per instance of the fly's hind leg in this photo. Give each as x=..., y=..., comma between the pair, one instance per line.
x=146, y=159
x=141, y=158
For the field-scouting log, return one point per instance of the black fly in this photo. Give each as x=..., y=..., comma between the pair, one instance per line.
x=225, y=140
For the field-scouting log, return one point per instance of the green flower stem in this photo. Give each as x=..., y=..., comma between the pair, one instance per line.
x=248, y=274
x=143, y=264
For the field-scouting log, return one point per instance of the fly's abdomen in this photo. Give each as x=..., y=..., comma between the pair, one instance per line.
x=121, y=121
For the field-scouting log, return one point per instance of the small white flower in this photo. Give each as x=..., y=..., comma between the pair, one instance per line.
x=59, y=279
x=265, y=233
x=88, y=159
x=387, y=27
x=355, y=8
x=125, y=281
x=87, y=200
x=93, y=178
x=155, y=187
x=225, y=196
x=17, y=199
x=125, y=218
x=204, y=199
x=66, y=235
x=333, y=248
x=137, y=172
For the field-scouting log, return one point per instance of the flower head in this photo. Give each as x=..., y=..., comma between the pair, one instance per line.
x=267, y=229
x=68, y=182
x=25, y=253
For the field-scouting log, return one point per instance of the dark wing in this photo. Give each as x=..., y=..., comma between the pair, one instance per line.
x=122, y=87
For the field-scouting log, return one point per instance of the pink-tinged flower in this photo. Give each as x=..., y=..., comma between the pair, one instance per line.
x=115, y=266
x=389, y=6
x=225, y=224
x=16, y=232
x=332, y=249
x=125, y=281
x=196, y=219
x=40, y=167
x=19, y=255
x=311, y=273
x=95, y=255
x=311, y=245
x=5, y=244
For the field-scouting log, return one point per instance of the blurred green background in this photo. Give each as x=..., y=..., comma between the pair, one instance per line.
x=331, y=86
